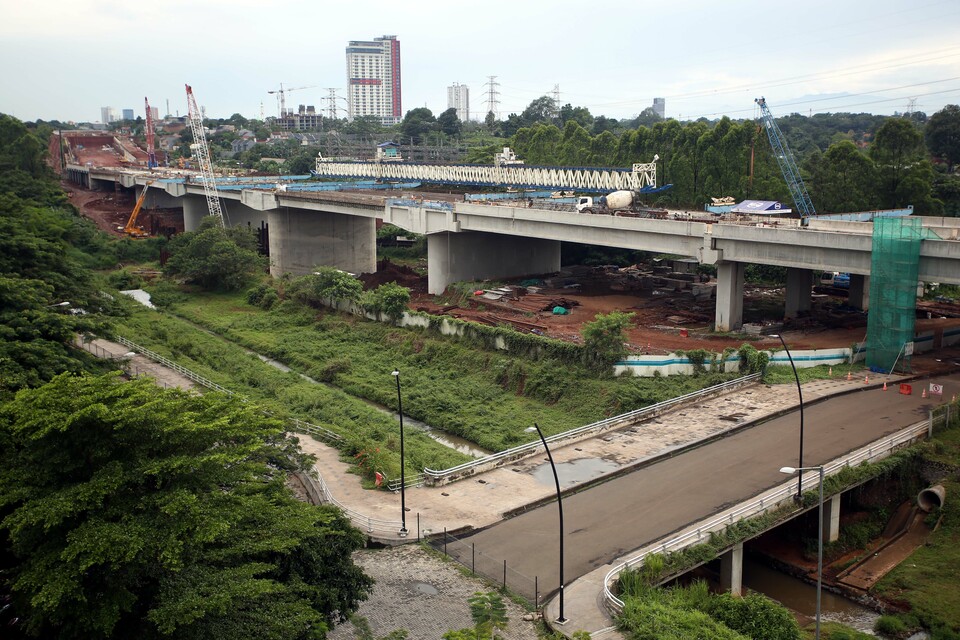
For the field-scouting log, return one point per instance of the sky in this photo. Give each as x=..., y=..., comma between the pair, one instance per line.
x=65, y=59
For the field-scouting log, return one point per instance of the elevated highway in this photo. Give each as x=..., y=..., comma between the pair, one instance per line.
x=469, y=241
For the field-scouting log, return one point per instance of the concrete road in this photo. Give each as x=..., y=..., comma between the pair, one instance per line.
x=611, y=519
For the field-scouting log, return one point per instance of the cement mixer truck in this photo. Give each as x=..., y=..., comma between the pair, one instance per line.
x=619, y=203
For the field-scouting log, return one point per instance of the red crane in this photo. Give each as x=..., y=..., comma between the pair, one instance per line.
x=151, y=154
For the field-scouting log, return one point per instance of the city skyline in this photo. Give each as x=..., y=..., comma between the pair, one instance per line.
x=705, y=60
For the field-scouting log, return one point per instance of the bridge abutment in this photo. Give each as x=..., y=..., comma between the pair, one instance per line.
x=300, y=240
x=799, y=283
x=729, y=314
x=731, y=570
x=455, y=257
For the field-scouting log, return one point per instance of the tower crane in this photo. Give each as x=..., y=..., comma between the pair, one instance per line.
x=281, y=96
x=788, y=164
x=202, y=151
x=151, y=153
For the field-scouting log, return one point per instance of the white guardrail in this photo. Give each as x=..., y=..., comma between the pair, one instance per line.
x=435, y=477
x=767, y=502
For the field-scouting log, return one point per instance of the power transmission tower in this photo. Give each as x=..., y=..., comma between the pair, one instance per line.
x=556, y=101
x=493, y=102
x=332, y=108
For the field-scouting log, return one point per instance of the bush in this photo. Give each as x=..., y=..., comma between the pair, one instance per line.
x=389, y=298
x=603, y=337
x=326, y=283
x=124, y=279
x=255, y=295
x=754, y=615
x=889, y=626
x=269, y=299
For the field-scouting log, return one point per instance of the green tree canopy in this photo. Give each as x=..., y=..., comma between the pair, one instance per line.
x=214, y=257
x=417, y=124
x=134, y=511
x=326, y=283
x=942, y=134
x=846, y=180
x=449, y=123
x=603, y=337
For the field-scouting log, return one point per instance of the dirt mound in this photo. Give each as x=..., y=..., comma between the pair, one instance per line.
x=390, y=272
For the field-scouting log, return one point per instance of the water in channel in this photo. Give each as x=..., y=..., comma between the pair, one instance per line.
x=448, y=440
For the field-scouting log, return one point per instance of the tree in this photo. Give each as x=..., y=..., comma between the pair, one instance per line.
x=581, y=115
x=603, y=337
x=542, y=109
x=215, y=257
x=847, y=180
x=417, y=123
x=326, y=283
x=449, y=123
x=647, y=118
x=389, y=298
x=942, y=134
x=905, y=177
x=134, y=511
x=490, y=121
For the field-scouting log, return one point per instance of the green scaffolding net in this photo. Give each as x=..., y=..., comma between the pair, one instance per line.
x=893, y=292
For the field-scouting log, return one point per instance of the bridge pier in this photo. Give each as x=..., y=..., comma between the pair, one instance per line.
x=831, y=519
x=731, y=570
x=300, y=240
x=799, y=282
x=729, y=314
x=475, y=255
x=194, y=210
x=859, y=294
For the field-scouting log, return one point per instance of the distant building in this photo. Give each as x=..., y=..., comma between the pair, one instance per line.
x=306, y=118
x=373, y=79
x=458, y=97
x=155, y=113
x=660, y=106
x=128, y=114
x=107, y=115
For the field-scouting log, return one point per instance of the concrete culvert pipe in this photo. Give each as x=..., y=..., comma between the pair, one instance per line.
x=932, y=497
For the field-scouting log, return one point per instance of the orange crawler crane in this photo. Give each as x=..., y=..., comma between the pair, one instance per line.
x=131, y=229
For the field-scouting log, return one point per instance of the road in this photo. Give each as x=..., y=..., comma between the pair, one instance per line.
x=611, y=519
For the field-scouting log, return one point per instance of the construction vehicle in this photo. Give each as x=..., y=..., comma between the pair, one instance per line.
x=788, y=164
x=619, y=203
x=835, y=279
x=202, y=153
x=131, y=228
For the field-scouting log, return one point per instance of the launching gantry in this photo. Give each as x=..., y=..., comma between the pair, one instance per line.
x=506, y=171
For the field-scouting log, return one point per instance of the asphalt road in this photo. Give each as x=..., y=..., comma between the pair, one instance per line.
x=611, y=519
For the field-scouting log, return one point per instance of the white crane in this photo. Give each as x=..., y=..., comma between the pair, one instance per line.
x=202, y=152
x=282, y=93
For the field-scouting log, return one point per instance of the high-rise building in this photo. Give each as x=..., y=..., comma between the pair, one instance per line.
x=127, y=114
x=107, y=115
x=458, y=97
x=155, y=113
x=660, y=106
x=373, y=79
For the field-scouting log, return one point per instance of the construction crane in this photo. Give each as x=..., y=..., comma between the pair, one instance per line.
x=151, y=153
x=131, y=228
x=282, y=93
x=202, y=152
x=788, y=165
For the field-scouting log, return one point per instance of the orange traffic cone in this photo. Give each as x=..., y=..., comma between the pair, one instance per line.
x=924, y=394
x=866, y=379
x=884, y=385
x=849, y=376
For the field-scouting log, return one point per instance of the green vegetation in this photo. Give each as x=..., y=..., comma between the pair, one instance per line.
x=214, y=257
x=783, y=374
x=603, y=338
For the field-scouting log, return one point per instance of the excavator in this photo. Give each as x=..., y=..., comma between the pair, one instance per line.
x=131, y=228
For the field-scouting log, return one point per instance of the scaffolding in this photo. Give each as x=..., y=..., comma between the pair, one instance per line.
x=893, y=292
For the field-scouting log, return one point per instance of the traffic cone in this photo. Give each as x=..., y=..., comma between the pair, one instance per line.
x=866, y=379
x=831, y=372
x=924, y=394
x=884, y=385
x=849, y=376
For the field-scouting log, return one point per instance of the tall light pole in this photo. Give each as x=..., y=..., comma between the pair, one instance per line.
x=799, y=471
x=403, y=478
x=796, y=377
x=556, y=479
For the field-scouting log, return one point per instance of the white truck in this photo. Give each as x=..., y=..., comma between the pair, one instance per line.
x=619, y=203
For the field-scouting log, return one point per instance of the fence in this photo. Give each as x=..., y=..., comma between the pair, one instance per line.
x=774, y=499
x=445, y=476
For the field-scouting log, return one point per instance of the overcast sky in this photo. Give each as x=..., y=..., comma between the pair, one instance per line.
x=66, y=59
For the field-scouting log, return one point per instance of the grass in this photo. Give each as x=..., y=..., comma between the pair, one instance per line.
x=783, y=374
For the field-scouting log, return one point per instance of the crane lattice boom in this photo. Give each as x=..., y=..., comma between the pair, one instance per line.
x=788, y=165
x=202, y=152
x=151, y=153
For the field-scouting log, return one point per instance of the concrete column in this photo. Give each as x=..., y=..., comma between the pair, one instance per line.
x=455, y=257
x=859, y=295
x=731, y=570
x=799, y=282
x=240, y=215
x=300, y=240
x=194, y=210
x=729, y=316
x=831, y=519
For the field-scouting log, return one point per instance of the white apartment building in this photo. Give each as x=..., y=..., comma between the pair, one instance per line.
x=458, y=97
x=107, y=115
x=373, y=79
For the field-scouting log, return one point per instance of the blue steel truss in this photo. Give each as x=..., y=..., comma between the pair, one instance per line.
x=788, y=165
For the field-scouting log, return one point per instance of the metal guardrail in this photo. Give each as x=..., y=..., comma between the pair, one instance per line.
x=468, y=468
x=767, y=502
x=383, y=528
x=426, y=204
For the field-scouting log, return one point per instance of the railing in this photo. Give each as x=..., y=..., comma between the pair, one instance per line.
x=767, y=502
x=437, y=477
x=156, y=357
x=409, y=482
x=382, y=528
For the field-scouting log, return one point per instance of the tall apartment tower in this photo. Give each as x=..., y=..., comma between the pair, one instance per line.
x=373, y=79
x=458, y=97
x=107, y=115
x=660, y=106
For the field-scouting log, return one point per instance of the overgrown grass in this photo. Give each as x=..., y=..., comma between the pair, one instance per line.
x=783, y=374
x=485, y=396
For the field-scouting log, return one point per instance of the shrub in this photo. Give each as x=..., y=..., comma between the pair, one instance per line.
x=889, y=626
x=389, y=298
x=754, y=615
x=603, y=337
x=269, y=299
x=125, y=279
x=255, y=294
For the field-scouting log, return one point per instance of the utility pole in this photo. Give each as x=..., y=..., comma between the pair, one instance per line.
x=556, y=101
x=332, y=97
x=493, y=103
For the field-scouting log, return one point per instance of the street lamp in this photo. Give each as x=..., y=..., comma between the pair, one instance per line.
x=799, y=470
x=403, y=480
x=556, y=480
x=800, y=394
x=65, y=303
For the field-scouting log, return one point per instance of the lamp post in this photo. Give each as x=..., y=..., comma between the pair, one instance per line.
x=556, y=479
x=799, y=471
x=403, y=479
x=796, y=377
x=65, y=303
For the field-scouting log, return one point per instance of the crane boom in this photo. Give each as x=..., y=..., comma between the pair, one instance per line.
x=131, y=228
x=788, y=165
x=202, y=151
x=151, y=153
x=282, y=96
